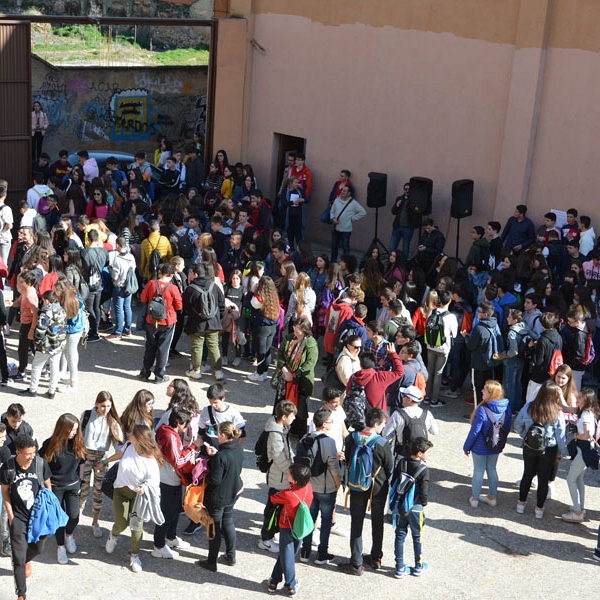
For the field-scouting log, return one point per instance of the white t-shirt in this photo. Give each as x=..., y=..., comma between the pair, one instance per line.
x=336, y=432
x=210, y=429
x=6, y=217
x=135, y=470
x=450, y=331
x=35, y=193
x=395, y=424
x=586, y=418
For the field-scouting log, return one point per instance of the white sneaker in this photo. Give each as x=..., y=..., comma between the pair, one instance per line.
x=96, y=531
x=111, y=543
x=61, y=555
x=70, y=544
x=237, y=362
x=521, y=507
x=206, y=369
x=66, y=389
x=474, y=502
x=337, y=530
x=269, y=545
x=164, y=552
x=178, y=543
x=193, y=374
x=224, y=361
x=219, y=375
x=257, y=377
x=135, y=564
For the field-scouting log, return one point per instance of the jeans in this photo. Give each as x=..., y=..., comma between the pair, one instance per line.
x=5, y=252
x=68, y=498
x=404, y=233
x=358, y=508
x=578, y=378
x=484, y=463
x=511, y=382
x=415, y=519
x=325, y=503
x=70, y=356
x=121, y=305
x=212, y=344
x=93, y=307
x=436, y=361
x=575, y=481
x=285, y=567
x=158, y=342
x=541, y=465
x=170, y=504
x=22, y=553
x=338, y=237
x=224, y=527
x=262, y=336
x=39, y=360
x=123, y=501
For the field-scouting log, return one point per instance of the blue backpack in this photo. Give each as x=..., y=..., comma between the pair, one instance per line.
x=360, y=470
x=403, y=487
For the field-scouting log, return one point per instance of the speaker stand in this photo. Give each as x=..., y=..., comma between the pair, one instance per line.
x=376, y=242
x=458, y=241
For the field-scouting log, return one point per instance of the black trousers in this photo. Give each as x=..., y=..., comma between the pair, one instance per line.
x=541, y=465
x=24, y=346
x=68, y=497
x=158, y=342
x=92, y=304
x=22, y=553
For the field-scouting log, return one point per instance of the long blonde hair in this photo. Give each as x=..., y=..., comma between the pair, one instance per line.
x=496, y=393
x=431, y=302
x=302, y=284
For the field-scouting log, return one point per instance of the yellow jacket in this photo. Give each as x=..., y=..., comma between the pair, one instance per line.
x=162, y=244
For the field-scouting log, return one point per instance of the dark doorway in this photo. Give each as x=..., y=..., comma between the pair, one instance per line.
x=285, y=144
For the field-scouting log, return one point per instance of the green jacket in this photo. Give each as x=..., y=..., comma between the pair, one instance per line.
x=306, y=371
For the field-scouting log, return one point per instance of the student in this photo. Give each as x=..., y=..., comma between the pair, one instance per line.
x=515, y=358
x=493, y=235
x=5, y=549
x=28, y=302
x=375, y=419
x=415, y=519
x=574, y=344
x=18, y=498
x=218, y=411
x=299, y=490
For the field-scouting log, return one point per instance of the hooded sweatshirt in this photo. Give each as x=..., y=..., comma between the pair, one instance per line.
x=481, y=345
x=481, y=425
x=515, y=335
x=542, y=354
x=376, y=382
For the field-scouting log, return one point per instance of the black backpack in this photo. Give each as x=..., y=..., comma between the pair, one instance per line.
x=185, y=246
x=308, y=453
x=498, y=433
x=155, y=260
x=434, y=329
x=157, y=307
x=355, y=404
x=260, y=451
x=536, y=439
x=414, y=427
x=206, y=307
x=95, y=279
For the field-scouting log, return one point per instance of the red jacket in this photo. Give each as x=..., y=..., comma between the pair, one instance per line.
x=291, y=499
x=172, y=448
x=304, y=176
x=345, y=310
x=376, y=382
x=172, y=298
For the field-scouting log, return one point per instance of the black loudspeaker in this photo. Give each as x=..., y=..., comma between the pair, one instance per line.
x=421, y=190
x=376, y=190
x=462, y=199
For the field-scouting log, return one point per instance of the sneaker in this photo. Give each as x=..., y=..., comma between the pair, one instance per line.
x=164, y=552
x=237, y=362
x=111, y=543
x=135, y=564
x=350, y=569
x=144, y=376
x=539, y=513
x=324, y=559
x=257, y=377
x=269, y=545
x=50, y=395
x=204, y=564
x=192, y=528
x=337, y=530
x=291, y=592
x=193, y=374
x=488, y=500
x=173, y=352
x=437, y=404
x=162, y=379
x=20, y=377
x=417, y=571
x=206, y=369
x=6, y=548
x=61, y=555
x=426, y=400
x=521, y=507
x=304, y=556
x=127, y=333
x=6, y=382
x=228, y=560
x=224, y=361
x=399, y=573
x=374, y=563
x=66, y=389
x=29, y=393
x=573, y=517
x=450, y=394
x=96, y=531
x=470, y=400
x=595, y=556
x=70, y=544
x=112, y=337
x=219, y=376
x=45, y=373
x=178, y=543
x=271, y=587
x=474, y=502
x=93, y=338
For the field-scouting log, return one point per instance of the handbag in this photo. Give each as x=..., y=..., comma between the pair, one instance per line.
x=326, y=216
x=196, y=511
x=108, y=481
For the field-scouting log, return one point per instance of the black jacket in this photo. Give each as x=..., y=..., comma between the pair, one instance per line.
x=574, y=343
x=382, y=457
x=542, y=354
x=224, y=479
x=422, y=481
x=191, y=300
x=412, y=218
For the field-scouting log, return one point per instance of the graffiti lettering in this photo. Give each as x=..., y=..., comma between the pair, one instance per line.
x=158, y=83
x=126, y=104
x=104, y=86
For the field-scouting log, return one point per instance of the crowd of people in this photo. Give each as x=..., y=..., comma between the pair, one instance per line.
x=210, y=257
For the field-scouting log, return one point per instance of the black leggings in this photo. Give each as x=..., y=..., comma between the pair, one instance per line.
x=541, y=465
x=68, y=498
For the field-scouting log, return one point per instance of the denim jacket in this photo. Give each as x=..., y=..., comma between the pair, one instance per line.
x=555, y=432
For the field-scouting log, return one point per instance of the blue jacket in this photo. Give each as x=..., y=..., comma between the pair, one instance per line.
x=518, y=233
x=481, y=345
x=75, y=325
x=46, y=516
x=481, y=426
x=555, y=432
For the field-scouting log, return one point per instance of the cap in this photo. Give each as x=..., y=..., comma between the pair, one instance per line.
x=413, y=392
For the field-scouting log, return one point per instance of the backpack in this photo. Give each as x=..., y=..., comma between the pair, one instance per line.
x=155, y=260
x=536, y=439
x=355, y=403
x=414, y=427
x=555, y=361
x=498, y=433
x=420, y=380
x=467, y=321
x=50, y=332
x=130, y=285
x=360, y=469
x=308, y=453
x=95, y=279
x=260, y=451
x=434, y=329
x=397, y=322
x=39, y=223
x=43, y=207
x=333, y=324
x=341, y=339
x=185, y=246
x=590, y=352
x=303, y=522
x=401, y=497
x=206, y=306
x=493, y=356
x=157, y=307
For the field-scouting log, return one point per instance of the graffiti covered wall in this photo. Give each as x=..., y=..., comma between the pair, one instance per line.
x=119, y=108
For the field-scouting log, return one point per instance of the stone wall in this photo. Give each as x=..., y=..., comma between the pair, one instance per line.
x=119, y=108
